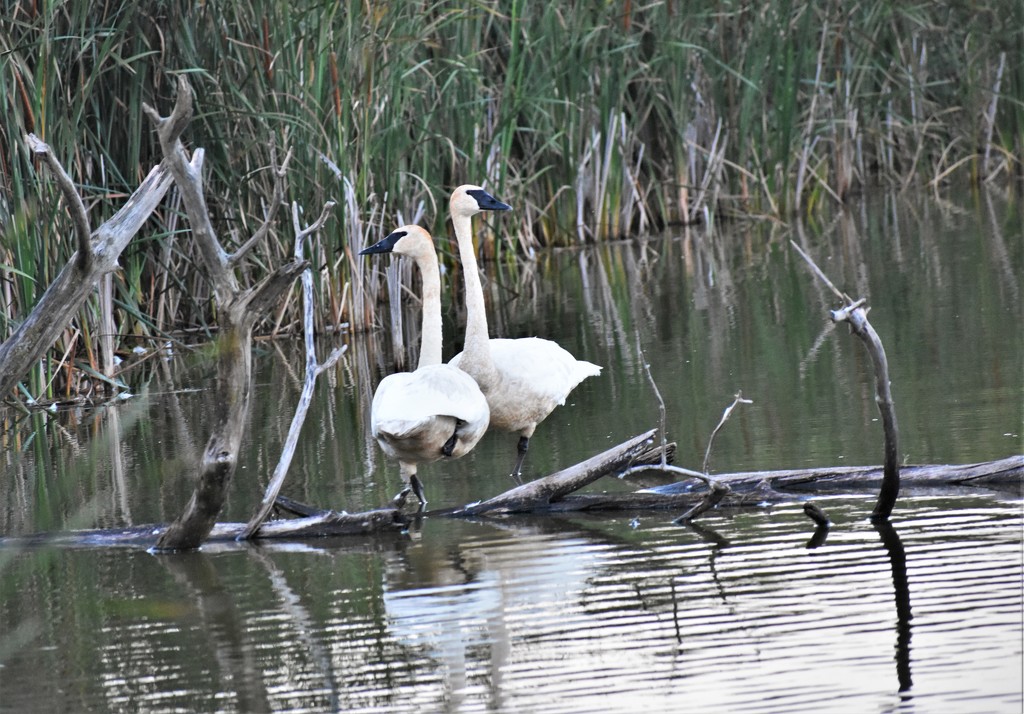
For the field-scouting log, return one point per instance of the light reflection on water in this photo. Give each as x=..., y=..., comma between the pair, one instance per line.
x=584, y=614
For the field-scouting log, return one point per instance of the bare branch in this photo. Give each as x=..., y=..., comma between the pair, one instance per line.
x=275, y=203
x=76, y=207
x=855, y=313
x=313, y=370
x=817, y=271
x=857, y=316
x=172, y=127
x=737, y=399
x=661, y=402
x=319, y=222
x=74, y=284
x=188, y=177
x=669, y=469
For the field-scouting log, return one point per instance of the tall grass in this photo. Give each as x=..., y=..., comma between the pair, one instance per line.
x=595, y=120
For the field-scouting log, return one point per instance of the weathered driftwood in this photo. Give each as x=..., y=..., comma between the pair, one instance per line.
x=96, y=257
x=754, y=488
x=238, y=309
x=765, y=487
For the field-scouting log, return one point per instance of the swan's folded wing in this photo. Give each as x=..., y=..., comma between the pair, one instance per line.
x=541, y=366
x=404, y=401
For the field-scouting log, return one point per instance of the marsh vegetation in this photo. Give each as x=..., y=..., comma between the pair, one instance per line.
x=595, y=121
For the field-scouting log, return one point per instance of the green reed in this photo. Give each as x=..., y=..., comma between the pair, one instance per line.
x=595, y=120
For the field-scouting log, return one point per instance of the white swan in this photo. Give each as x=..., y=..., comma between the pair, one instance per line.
x=438, y=411
x=523, y=379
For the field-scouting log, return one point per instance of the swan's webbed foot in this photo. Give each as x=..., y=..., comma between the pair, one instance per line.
x=400, y=498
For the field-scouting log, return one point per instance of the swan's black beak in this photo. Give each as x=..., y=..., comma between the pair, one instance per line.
x=487, y=202
x=384, y=246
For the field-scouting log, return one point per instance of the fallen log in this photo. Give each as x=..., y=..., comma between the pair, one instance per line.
x=556, y=494
x=757, y=488
x=320, y=524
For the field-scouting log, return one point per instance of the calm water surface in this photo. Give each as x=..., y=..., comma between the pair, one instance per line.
x=591, y=613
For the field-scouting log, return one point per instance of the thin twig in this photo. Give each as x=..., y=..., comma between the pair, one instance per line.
x=817, y=271
x=737, y=399
x=718, y=490
x=661, y=402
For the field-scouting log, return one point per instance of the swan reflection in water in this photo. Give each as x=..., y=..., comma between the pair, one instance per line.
x=450, y=600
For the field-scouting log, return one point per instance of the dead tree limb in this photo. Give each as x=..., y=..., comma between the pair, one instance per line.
x=313, y=370
x=857, y=316
x=188, y=176
x=238, y=310
x=275, y=202
x=96, y=256
x=543, y=493
x=755, y=488
x=854, y=313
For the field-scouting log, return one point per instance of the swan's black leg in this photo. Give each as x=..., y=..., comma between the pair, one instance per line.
x=417, y=488
x=517, y=472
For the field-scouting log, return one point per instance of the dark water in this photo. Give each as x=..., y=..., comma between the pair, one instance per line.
x=618, y=612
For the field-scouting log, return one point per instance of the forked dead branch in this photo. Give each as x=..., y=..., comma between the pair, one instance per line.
x=96, y=257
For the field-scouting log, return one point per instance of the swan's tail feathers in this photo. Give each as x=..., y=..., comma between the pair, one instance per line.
x=588, y=369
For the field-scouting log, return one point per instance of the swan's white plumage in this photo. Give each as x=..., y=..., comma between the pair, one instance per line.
x=535, y=376
x=523, y=379
x=437, y=411
x=415, y=413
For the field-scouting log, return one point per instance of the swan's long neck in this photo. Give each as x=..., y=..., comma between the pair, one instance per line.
x=476, y=350
x=430, y=337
